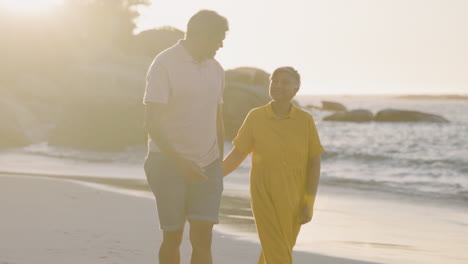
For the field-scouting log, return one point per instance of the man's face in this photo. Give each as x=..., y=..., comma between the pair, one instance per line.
x=210, y=44
x=283, y=86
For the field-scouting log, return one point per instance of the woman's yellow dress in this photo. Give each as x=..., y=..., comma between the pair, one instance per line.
x=281, y=148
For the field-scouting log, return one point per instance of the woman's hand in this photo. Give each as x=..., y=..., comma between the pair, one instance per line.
x=306, y=214
x=233, y=160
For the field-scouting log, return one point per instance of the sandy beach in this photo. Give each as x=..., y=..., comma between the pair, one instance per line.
x=55, y=221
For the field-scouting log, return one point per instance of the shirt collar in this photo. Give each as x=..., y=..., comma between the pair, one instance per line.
x=186, y=56
x=271, y=114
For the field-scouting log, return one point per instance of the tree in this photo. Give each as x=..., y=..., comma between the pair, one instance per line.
x=102, y=22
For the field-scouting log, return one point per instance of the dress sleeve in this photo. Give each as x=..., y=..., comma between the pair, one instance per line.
x=315, y=147
x=244, y=140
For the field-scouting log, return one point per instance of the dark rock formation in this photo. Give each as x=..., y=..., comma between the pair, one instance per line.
x=395, y=115
x=105, y=127
x=332, y=106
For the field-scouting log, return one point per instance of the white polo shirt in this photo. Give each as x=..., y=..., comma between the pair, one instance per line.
x=192, y=91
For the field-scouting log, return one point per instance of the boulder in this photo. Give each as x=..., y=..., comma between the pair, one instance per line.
x=246, y=88
x=151, y=42
x=395, y=115
x=248, y=75
x=92, y=125
x=332, y=106
x=358, y=115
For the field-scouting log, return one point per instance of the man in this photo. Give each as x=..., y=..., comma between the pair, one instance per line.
x=183, y=119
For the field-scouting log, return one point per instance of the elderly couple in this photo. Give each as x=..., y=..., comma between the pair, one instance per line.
x=185, y=166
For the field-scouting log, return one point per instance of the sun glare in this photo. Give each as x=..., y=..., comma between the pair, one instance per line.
x=29, y=6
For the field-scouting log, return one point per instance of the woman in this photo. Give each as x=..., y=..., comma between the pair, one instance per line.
x=285, y=166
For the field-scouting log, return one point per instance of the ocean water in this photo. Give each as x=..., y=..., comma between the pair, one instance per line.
x=412, y=159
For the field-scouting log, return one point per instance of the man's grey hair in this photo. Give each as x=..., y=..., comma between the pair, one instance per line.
x=206, y=22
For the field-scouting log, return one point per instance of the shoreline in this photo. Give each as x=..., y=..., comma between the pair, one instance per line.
x=137, y=184
x=416, y=96
x=347, y=223
x=59, y=221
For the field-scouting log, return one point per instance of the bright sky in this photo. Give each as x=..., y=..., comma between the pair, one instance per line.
x=341, y=46
x=338, y=46
x=29, y=6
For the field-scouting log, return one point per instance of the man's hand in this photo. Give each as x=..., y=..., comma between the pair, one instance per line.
x=190, y=171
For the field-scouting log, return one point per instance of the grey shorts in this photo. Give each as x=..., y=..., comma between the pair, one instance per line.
x=177, y=200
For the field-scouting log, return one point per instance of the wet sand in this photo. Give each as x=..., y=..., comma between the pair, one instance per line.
x=58, y=220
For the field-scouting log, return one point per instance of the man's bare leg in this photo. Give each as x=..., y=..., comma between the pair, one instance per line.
x=169, y=250
x=200, y=238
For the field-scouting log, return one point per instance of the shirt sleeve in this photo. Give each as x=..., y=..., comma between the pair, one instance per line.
x=223, y=83
x=315, y=147
x=157, y=84
x=244, y=140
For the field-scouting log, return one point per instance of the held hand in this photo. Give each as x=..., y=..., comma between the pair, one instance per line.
x=190, y=171
x=306, y=214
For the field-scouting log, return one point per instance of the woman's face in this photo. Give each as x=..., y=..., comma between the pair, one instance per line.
x=283, y=87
